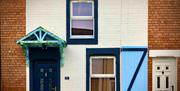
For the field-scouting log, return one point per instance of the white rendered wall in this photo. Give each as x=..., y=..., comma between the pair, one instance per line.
x=120, y=21
x=134, y=24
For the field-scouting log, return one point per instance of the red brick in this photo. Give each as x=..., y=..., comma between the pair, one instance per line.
x=164, y=24
x=12, y=21
x=163, y=30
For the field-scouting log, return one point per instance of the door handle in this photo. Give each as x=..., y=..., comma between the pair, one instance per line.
x=172, y=87
x=54, y=89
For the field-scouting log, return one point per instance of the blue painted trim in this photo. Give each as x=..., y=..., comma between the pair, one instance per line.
x=67, y=20
x=139, y=65
x=134, y=49
x=103, y=51
x=81, y=41
x=58, y=73
x=31, y=75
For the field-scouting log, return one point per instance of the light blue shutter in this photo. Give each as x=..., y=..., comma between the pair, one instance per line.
x=134, y=69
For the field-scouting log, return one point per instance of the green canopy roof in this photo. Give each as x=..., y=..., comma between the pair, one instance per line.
x=40, y=37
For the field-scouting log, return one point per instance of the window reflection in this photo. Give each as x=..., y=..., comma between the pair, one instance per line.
x=42, y=70
x=41, y=84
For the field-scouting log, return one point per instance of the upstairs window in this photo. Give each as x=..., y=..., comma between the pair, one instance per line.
x=82, y=22
x=82, y=25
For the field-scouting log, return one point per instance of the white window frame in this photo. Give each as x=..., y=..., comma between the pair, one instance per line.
x=82, y=18
x=102, y=75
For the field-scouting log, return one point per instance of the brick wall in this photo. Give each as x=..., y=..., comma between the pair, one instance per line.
x=164, y=24
x=12, y=27
x=150, y=74
x=163, y=30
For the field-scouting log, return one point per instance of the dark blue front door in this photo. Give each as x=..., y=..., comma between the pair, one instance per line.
x=45, y=75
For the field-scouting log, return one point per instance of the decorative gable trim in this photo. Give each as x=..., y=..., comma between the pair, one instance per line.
x=40, y=37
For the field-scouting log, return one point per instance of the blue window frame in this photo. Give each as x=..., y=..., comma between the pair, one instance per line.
x=82, y=22
x=103, y=52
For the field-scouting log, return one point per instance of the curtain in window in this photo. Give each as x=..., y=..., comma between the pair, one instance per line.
x=102, y=84
x=102, y=66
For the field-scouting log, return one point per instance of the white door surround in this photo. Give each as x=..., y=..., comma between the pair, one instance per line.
x=164, y=74
x=164, y=53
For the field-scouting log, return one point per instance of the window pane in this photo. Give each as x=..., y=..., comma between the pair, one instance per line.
x=158, y=68
x=82, y=27
x=167, y=82
x=167, y=67
x=102, y=84
x=82, y=9
x=102, y=66
x=158, y=82
x=41, y=84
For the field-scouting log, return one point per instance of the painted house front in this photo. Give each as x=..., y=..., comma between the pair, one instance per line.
x=81, y=45
x=107, y=20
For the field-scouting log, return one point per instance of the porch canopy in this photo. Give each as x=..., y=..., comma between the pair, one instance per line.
x=41, y=37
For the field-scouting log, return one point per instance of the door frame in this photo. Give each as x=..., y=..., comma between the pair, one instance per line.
x=36, y=53
x=154, y=59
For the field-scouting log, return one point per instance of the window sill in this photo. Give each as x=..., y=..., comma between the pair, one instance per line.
x=82, y=41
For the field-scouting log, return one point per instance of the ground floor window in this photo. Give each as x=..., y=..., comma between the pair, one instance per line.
x=102, y=73
x=103, y=69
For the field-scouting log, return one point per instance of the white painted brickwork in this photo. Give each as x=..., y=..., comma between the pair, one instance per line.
x=134, y=24
x=121, y=22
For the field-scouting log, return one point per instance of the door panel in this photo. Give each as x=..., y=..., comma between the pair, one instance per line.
x=45, y=75
x=164, y=74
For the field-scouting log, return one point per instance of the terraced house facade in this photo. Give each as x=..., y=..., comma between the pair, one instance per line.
x=90, y=45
